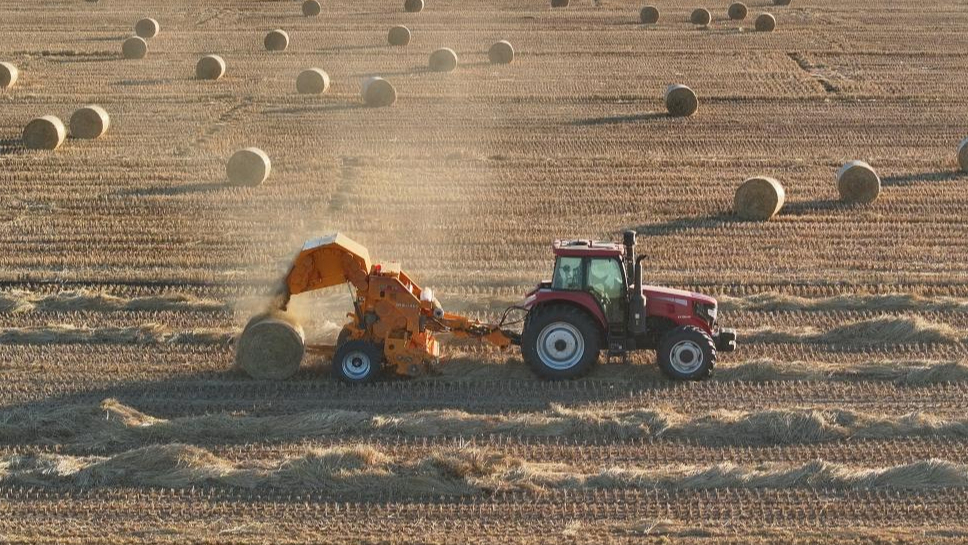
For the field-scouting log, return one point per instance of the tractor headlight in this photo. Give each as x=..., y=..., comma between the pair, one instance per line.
x=706, y=311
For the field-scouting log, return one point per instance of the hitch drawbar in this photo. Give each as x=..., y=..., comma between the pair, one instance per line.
x=725, y=340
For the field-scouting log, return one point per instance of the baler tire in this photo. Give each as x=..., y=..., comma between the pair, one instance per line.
x=358, y=362
x=676, y=343
x=572, y=326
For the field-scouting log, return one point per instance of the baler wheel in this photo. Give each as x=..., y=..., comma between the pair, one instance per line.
x=358, y=362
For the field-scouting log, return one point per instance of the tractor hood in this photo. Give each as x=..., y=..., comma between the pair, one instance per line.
x=677, y=296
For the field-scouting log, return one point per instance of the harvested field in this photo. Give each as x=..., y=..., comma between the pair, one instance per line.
x=131, y=265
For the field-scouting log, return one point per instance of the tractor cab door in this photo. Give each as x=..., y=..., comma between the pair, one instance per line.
x=606, y=282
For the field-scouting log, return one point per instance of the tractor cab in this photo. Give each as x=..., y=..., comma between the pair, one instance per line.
x=595, y=268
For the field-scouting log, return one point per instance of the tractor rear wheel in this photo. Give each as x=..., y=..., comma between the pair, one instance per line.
x=358, y=362
x=687, y=353
x=560, y=342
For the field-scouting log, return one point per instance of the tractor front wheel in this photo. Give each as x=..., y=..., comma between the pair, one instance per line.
x=687, y=353
x=358, y=362
x=560, y=342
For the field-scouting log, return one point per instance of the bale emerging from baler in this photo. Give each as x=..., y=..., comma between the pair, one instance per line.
x=378, y=92
x=681, y=101
x=276, y=40
x=249, y=166
x=858, y=183
x=44, y=133
x=737, y=11
x=8, y=75
x=398, y=35
x=759, y=199
x=90, y=122
x=443, y=60
x=147, y=28
x=271, y=347
x=501, y=53
x=649, y=15
x=134, y=47
x=210, y=67
x=313, y=81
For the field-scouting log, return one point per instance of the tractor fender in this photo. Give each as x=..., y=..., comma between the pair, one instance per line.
x=580, y=299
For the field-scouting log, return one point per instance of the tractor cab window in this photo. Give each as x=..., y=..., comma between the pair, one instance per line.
x=606, y=283
x=567, y=274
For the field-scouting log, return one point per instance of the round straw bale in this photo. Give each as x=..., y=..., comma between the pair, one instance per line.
x=276, y=40
x=737, y=11
x=134, y=47
x=249, y=166
x=443, y=60
x=758, y=199
x=47, y=132
x=765, y=23
x=313, y=81
x=8, y=75
x=311, y=8
x=398, y=35
x=271, y=347
x=413, y=6
x=210, y=67
x=501, y=53
x=963, y=155
x=701, y=17
x=147, y=28
x=649, y=15
x=858, y=183
x=681, y=101
x=559, y=3
x=90, y=122
x=378, y=92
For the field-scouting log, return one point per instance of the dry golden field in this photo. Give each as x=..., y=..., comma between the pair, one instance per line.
x=128, y=266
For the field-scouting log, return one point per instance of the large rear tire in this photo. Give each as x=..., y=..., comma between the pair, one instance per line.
x=687, y=353
x=358, y=362
x=560, y=342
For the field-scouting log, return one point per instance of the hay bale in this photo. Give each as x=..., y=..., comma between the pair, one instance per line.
x=8, y=75
x=413, y=6
x=147, y=28
x=858, y=183
x=276, y=40
x=45, y=133
x=313, y=81
x=134, y=47
x=501, y=53
x=378, y=92
x=765, y=23
x=90, y=122
x=649, y=15
x=681, y=101
x=443, y=60
x=271, y=347
x=249, y=166
x=737, y=11
x=210, y=67
x=311, y=8
x=701, y=17
x=398, y=35
x=963, y=155
x=759, y=199
x=559, y=3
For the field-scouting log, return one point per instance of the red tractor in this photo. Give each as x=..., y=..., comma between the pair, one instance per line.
x=594, y=302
